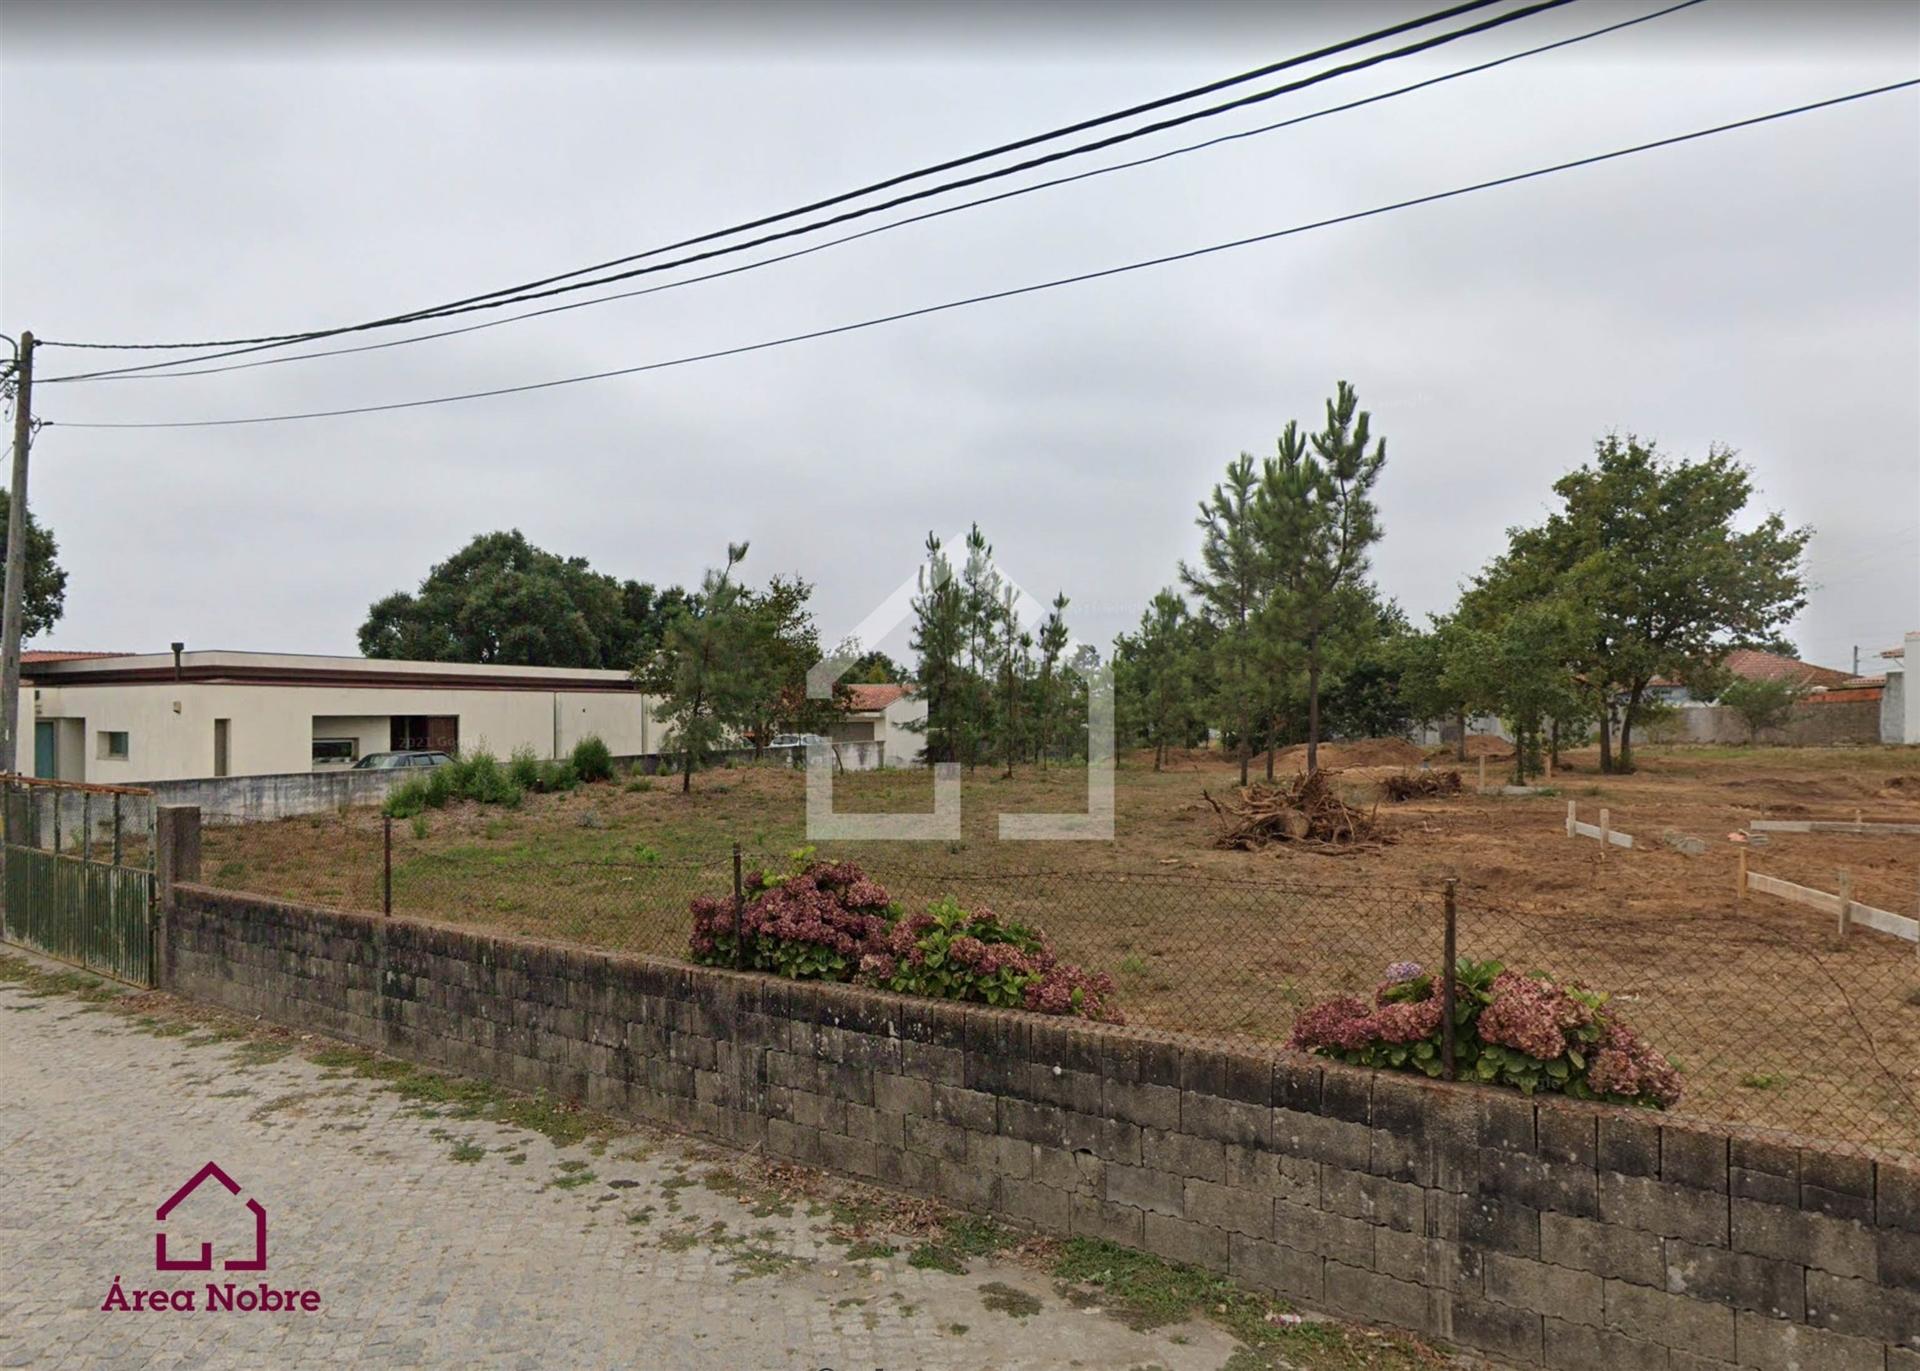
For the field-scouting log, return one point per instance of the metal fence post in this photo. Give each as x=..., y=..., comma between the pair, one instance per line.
x=386, y=864
x=739, y=915
x=1446, y=982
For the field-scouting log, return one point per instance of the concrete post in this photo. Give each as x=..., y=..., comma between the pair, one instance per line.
x=176, y=858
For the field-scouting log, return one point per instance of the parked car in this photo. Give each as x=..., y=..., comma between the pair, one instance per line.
x=798, y=740
x=393, y=761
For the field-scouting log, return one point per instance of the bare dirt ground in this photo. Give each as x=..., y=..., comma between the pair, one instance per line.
x=1775, y=1022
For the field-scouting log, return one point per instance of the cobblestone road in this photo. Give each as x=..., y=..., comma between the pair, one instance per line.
x=435, y=1241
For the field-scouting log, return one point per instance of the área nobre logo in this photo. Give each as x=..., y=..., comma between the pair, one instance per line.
x=220, y=1295
x=824, y=823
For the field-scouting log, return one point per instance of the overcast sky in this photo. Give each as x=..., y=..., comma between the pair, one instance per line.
x=187, y=172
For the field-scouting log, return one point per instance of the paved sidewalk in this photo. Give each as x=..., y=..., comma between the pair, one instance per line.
x=436, y=1241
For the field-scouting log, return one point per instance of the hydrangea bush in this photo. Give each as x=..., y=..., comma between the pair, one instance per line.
x=1525, y=1031
x=829, y=921
x=956, y=953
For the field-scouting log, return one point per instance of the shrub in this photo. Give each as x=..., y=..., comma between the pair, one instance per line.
x=523, y=768
x=557, y=776
x=815, y=924
x=1528, y=1032
x=954, y=953
x=829, y=921
x=478, y=776
x=406, y=799
x=592, y=759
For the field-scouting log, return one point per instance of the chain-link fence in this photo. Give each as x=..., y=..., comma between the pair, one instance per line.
x=1775, y=1023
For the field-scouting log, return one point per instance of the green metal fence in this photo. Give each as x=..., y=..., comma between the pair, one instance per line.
x=78, y=876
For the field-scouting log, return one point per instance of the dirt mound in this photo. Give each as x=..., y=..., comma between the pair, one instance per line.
x=1901, y=787
x=1410, y=785
x=1359, y=752
x=1304, y=809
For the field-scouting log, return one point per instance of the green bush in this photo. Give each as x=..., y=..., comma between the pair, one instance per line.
x=592, y=759
x=523, y=768
x=406, y=799
x=558, y=776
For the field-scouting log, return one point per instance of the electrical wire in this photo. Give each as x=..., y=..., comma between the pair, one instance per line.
x=513, y=294
x=1016, y=291
x=166, y=370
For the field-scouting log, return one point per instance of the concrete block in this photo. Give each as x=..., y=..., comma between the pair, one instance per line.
x=1840, y=1246
x=1575, y=1296
x=1517, y=1335
x=1329, y=1141
x=1270, y=1266
x=1368, y=1294
x=1686, y=1325
x=1672, y=1211
x=1582, y=1347
x=1740, y=1279
x=1864, y=1309
x=1349, y=1241
x=1770, y=1344
x=1226, y=1120
x=1182, y=1241
x=1628, y=1254
x=1148, y=1106
x=1042, y=1206
x=1230, y=1209
x=1183, y=1154
x=1161, y=1192
x=1092, y=1217
x=1375, y=1199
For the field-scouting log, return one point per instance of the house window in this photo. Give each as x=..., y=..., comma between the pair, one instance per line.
x=335, y=751
x=113, y=745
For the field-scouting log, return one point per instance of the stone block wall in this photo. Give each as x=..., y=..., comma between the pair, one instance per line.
x=1537, y=1232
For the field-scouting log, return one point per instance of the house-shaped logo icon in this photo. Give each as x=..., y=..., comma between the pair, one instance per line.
x=204, y=1262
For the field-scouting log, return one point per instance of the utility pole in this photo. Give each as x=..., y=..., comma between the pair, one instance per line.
x=16, y=558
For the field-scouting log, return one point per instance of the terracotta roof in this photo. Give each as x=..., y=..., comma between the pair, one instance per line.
x=1861, y=682
x=32, y=656
x=871, y=699
x=1846, y=694
x=1753, y=665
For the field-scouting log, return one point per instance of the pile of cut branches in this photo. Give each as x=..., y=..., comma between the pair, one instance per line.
x=1306, y=809
x=1418, y=785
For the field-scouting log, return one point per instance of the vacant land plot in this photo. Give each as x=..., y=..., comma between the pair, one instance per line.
x=1775, y=1022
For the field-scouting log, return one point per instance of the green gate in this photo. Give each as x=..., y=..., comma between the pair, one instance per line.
x=78, y=876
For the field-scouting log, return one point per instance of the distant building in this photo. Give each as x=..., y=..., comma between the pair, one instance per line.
x=881, y=714
x=1751, y=664
x=122, y=718
x=1900, y=698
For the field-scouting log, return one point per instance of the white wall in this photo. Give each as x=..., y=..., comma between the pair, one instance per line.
x=1910, y=694
x=170, y=724
x=903, y=745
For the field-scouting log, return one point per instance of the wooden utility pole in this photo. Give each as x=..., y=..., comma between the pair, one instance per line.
x=16, y=558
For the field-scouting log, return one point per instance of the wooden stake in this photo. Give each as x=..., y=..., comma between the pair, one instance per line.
x=1483, y=771
x=1740, y=881
x=1572, y=805
x=1846, y=903
x=1606, y=833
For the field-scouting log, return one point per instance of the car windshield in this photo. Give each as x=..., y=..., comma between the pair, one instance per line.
x=382, y=761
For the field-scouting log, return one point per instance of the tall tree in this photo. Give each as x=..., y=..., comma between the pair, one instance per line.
x=1053, y=641
x=702, y=671
x=1156, y=674
x=43, y=599
x=940, y=630
x=1230, y=586
x=502, y=600
x=779, y=645
x=980, y=598
x=1320, y=521
x=1653, y=551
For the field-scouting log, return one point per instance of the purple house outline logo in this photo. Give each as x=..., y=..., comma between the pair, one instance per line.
x=204, y=1262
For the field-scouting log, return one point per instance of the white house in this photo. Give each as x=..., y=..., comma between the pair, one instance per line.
x=882, y=714
x=1900, y=698
x=126, y=719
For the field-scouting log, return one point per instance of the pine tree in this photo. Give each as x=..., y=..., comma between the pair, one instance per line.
x=1053, y=641
x=1230, y=584
x=940, y=640
x=702, y=671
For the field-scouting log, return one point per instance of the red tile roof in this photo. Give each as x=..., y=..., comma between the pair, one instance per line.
x=871, y=699
x=1753, y=665
x=34, y=655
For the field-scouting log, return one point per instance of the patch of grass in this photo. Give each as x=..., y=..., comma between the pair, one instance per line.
x=573, y=1180
x=1002, y=1298
x=259, y=1052
x=42, y=984
x=868, y=1249
x=1763, y=1080
x=561, y=1123
x=932, y=1257
x=1133, y=964
x=467, y=1150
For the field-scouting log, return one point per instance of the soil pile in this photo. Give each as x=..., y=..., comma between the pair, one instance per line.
x=1359, y=752
x=1304, y=809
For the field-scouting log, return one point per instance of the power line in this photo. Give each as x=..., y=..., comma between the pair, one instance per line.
x=1015, y=291
x=513, y=294
x=162, y=370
